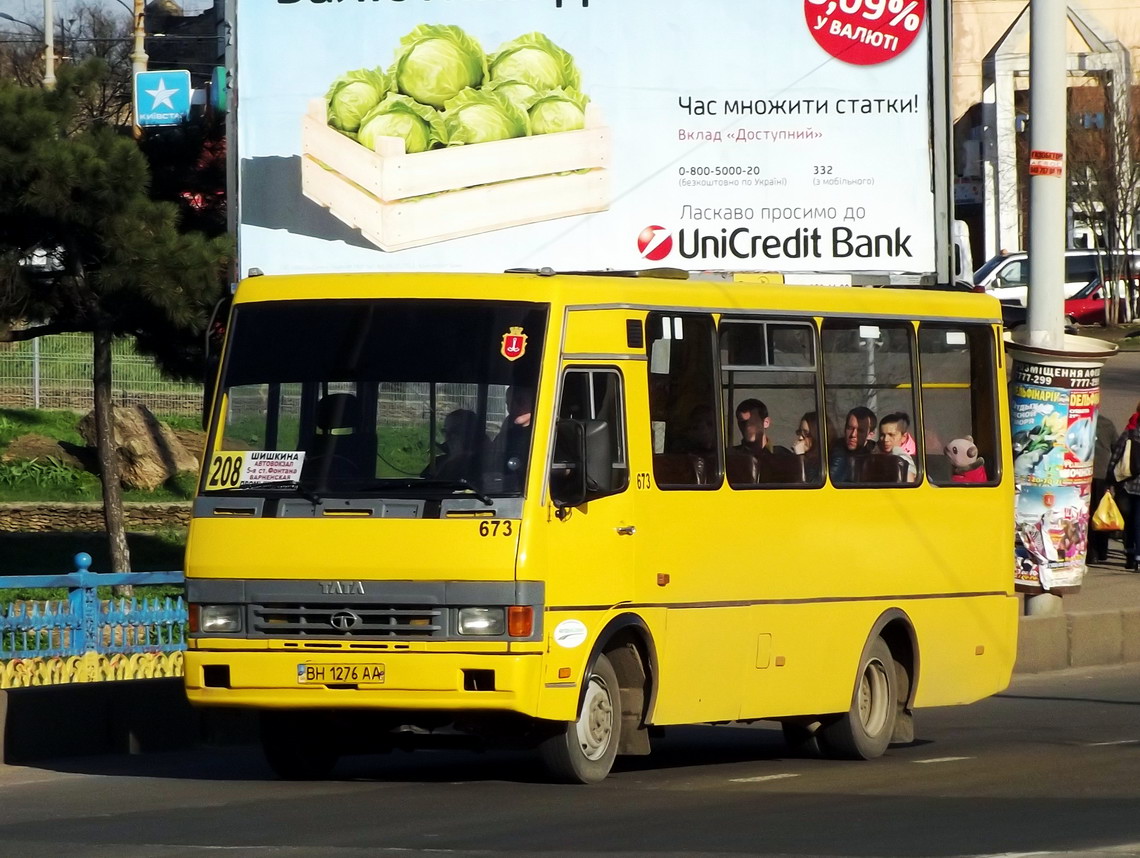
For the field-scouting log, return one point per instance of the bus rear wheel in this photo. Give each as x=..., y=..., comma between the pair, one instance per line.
x=296, y=745
x=865, y=730
x=583, y=751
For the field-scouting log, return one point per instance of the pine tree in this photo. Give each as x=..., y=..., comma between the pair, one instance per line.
x=117, y=265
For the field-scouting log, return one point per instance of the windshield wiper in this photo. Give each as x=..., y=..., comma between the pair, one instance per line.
x=460, y=485
x=308, y=495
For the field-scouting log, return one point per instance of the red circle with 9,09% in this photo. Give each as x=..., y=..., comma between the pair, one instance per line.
x=864, y=32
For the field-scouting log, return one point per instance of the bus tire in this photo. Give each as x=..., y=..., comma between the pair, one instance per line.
x=294, y=746
x=583, y=751
x=865, y=730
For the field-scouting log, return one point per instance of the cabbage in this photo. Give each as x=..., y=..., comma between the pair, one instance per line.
x=436, y=62
x=519, y=92
x=420, y=126
x=479, y=116
x=353, y=94
x=536, y=60
x=558, y=110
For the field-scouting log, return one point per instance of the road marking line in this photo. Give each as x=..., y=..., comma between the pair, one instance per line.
x=943, y=759
x=1115, y=742
x=762, y=778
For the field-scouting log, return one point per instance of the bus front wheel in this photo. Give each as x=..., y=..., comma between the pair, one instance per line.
x=865, y=730
x=583, y=751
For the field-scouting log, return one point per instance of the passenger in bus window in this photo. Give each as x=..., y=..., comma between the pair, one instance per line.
x=463, y=446
x=510, y=447
x=855, y=441
x=892, y=430
x=753, y=421
x=807, y=446
x=905, y=440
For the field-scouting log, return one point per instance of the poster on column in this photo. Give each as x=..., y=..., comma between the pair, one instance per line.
x=1054, y=432
x=481, y=135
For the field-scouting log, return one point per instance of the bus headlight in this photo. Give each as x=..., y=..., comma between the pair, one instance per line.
x=219, y=619
x=482, y=621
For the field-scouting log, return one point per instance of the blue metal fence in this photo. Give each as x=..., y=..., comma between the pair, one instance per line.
x=84, y=623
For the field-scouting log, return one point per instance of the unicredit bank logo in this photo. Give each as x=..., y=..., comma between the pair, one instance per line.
x=655, y=243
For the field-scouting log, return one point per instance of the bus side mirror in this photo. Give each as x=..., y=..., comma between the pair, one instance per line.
x=583, y=465
x=568, y=469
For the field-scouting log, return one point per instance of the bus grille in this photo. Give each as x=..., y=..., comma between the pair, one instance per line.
x=355, y=621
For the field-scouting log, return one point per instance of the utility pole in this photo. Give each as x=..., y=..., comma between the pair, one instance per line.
x=49, y=40
x=1048, y=86
x=138, y=59
x=49, y=46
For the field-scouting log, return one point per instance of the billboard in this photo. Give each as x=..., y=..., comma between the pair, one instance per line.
x=784, y=135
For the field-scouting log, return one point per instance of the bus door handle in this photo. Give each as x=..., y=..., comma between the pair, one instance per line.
x=626, y=530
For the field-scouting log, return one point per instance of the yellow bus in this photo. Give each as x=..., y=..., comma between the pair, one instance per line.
x=569, y=509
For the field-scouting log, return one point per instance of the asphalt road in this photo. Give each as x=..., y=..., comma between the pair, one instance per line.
x=1050, y=766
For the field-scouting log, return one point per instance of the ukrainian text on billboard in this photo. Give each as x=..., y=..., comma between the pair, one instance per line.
x=479, y=135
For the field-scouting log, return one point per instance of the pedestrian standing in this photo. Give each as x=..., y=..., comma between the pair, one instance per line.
x=1128, y=485
x=1106, y=435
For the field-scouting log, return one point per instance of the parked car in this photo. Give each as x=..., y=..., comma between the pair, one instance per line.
x=1014, y=315
x=1006, y=276
x=1087, y=306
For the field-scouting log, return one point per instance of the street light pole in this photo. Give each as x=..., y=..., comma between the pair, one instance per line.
x=138, y=58
x=49, y=46
x=1048, y=79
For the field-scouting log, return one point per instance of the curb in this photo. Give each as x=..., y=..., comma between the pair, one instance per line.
x=1079, y=639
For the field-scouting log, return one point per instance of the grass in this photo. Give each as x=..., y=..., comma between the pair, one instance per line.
x=52, y=480
x=60, y=425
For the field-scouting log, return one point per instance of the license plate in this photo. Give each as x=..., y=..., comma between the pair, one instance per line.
x=335, y=674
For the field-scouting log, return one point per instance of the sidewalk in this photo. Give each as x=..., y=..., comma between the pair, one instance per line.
x=1100, y=625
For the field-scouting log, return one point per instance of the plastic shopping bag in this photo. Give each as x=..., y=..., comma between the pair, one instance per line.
x=1107, y=515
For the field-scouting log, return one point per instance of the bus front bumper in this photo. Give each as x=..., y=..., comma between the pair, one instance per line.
x=382, y=680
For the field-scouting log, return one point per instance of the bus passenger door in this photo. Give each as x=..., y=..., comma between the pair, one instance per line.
x=592, y=543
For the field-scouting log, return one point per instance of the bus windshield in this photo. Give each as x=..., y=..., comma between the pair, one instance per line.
x=380, y=397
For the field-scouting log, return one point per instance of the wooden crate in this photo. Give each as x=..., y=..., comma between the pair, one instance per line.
x=398, y=200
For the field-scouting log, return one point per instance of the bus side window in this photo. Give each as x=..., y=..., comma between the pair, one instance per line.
x=959, y=403
x=869, y=376
x=768, y=376
x=683, y=404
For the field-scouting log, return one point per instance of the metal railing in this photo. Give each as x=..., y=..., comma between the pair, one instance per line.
x=84, y=623
x=55, y=372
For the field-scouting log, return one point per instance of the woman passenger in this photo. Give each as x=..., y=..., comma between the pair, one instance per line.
x=807, y=446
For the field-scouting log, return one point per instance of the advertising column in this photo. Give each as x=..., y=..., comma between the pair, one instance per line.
x=1054, y=400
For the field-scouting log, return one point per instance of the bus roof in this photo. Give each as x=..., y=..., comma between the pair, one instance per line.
x=582, y=290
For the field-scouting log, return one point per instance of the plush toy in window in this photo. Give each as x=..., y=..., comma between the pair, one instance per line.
x=968, y=466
